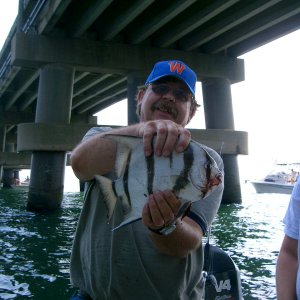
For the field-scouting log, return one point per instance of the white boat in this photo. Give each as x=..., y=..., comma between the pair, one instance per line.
x=25, y=182
x=281, y=180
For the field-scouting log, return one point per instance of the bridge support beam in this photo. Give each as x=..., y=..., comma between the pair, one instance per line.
x=2, y=146
x=219, y=115
x=48, y=167
x=8, y=173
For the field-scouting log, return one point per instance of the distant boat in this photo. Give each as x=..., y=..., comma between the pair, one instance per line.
x=25, y=182
x=281, y=180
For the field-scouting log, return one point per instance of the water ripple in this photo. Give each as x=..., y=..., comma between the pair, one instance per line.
x=35, y=256
x=10, y=288
x=35, y=248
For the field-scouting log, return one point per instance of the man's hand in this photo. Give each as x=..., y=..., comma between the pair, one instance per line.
x=160, y=210
x=169, y=136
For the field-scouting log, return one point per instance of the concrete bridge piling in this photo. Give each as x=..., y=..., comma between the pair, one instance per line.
x=47, y=167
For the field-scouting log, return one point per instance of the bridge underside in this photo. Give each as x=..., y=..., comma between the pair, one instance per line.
x=63, y=61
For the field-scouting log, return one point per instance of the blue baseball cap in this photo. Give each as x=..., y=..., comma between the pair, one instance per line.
x=176, y=69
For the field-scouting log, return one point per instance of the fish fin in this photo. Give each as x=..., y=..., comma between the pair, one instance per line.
x=125, y=204
x=122, y=155
x=129, y=140
x=126, y=222
x=108, y=194
x=131, y=217
x=125, y=144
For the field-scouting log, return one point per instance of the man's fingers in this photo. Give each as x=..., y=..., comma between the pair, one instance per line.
x=172, y=201
x=157, y=219
x=169, y=136
x=184, y=139
x=162, y=204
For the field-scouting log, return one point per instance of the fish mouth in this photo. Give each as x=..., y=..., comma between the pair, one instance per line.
x=166, y=107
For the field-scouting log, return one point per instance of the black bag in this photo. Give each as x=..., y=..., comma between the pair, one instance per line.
x=221, y=274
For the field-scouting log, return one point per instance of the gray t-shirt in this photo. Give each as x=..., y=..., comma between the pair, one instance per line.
x=125, y=264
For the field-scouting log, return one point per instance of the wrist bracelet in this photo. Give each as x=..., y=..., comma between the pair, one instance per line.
x=165, y=230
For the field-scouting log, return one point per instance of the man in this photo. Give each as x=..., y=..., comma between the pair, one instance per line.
x=287, y=269
x=143, y=260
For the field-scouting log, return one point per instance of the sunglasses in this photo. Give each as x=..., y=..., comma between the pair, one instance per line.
x=178, y=93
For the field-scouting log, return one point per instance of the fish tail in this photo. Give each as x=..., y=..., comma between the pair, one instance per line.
x=109, y=196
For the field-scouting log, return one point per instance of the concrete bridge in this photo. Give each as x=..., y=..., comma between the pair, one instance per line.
x=65, y=60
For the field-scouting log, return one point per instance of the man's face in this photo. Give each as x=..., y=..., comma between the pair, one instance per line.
x=168, y=100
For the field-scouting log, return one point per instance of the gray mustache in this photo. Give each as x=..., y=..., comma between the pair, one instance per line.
x=165, y=106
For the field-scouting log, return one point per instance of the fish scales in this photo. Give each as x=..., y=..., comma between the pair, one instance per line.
x=182, y=180
x=191, y=175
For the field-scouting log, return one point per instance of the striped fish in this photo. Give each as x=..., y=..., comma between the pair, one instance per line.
x=191, y=175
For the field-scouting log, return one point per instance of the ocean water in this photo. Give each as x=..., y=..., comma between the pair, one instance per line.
x=35, y=248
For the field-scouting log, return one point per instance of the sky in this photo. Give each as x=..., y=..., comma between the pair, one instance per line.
x=266, y=104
